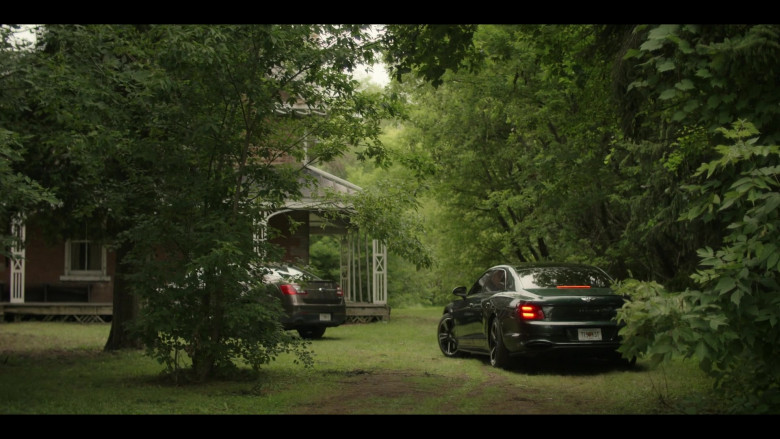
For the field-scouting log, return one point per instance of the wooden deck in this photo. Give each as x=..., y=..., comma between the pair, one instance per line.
x=359, y=312
x=102, y=312
x=57, y=311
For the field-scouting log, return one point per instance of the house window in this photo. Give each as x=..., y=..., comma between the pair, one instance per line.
x=84, y=260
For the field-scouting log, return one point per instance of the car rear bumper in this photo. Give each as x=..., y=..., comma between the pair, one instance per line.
x=323, y=315
x=560, y=339
x=538, y=348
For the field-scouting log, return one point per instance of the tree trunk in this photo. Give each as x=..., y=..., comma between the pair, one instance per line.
x=125, y=309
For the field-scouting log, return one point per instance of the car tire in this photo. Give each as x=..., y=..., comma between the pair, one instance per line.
x=447, y=342
x=311, y=332
x=499, y=355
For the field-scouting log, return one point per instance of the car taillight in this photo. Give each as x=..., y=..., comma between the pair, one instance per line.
x=530, y=312
x=339, y=292
x=290, y=289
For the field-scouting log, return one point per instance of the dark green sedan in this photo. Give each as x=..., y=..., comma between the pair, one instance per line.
x=531, y=310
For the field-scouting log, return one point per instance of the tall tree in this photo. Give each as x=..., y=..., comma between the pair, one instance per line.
x=166, y=138
x=22, y=195
x=513, y=152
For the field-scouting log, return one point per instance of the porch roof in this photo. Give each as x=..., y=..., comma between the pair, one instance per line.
x=315, y=197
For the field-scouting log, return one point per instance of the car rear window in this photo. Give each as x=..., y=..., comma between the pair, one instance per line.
x=286, y=272
x=554, y=277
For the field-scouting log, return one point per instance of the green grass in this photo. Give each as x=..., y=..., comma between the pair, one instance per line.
x=392, y=367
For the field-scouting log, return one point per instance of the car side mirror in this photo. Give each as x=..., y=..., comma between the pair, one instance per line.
x=459, y=291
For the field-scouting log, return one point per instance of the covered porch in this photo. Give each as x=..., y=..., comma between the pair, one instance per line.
x=362, y=260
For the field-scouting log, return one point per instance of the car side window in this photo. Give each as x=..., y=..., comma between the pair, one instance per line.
x=496, y=281
x=491, y=282
x=479, y=285
x=510, y=283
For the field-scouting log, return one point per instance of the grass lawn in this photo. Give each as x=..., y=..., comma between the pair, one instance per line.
x=390, y=367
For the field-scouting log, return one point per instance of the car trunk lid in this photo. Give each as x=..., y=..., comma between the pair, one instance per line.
x=319, y=292
x=579, y=304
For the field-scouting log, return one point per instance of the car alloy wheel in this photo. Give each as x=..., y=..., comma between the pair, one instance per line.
x=499, y=356
x=447, y=342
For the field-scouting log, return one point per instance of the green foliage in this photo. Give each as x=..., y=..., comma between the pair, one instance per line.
x=674, y=85
x=218, y=311
x=709, y=76
x=500, y=147
x=395, y=206
x=388, y=212
x=325, y=257
x=731, y=324
x=22, y=195
x=430, y=50
x=232, y=138
x=165, y=138
x=658, y=322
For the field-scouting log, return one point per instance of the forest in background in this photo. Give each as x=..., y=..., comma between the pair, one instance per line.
x=572, y=143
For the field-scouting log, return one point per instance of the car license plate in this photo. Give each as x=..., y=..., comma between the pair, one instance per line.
x=325, y=317
x=590, y=334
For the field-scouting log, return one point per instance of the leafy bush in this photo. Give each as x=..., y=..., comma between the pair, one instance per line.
x=731, y=324
x=218, y=313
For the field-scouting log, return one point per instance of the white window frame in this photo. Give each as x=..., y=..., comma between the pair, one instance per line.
x=84, y=275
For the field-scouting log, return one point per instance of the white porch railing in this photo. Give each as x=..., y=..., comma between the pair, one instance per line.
x=363, y=269
x=17, y=261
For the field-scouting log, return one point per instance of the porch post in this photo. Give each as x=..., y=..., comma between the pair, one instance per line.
x=379, y=285
x=346, y=267
x=17, y=260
